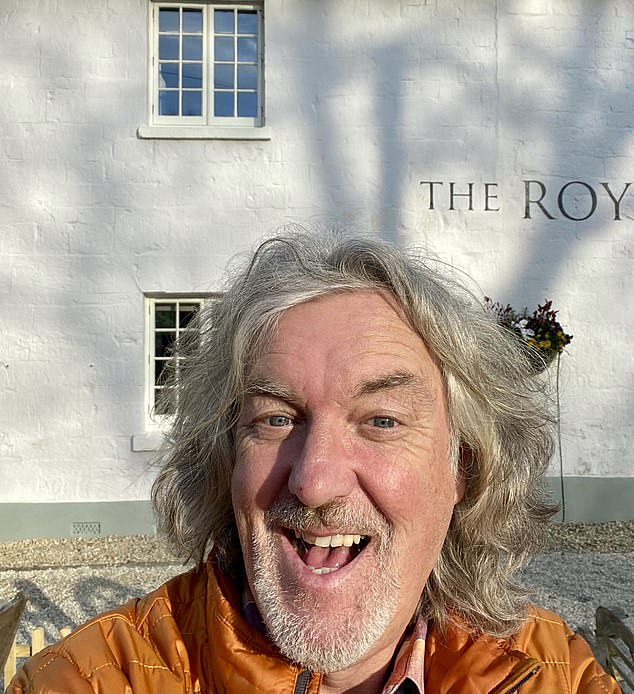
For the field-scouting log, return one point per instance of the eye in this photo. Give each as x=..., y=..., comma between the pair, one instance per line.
x=383, y=422
x=278, y=420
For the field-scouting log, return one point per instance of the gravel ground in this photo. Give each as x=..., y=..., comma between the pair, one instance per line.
x=68, y=581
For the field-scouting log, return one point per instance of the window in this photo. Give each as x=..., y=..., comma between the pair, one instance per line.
x=167, y=320
x=206, y=66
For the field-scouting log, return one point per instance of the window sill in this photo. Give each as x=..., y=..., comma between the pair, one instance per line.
x=202, y=132
x=148, y=441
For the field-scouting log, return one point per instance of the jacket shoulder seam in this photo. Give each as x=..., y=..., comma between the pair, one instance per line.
x=146, y=605
x=109, y=663
x=539, y=618
x=108, y=617
x=65, y=656
x=63, y=653
x=52, y=655
x=555, y=662
x=599, y=679
x=140, y=663
x=564, y=667
x=146, y=609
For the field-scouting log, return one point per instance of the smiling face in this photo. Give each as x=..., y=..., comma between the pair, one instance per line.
x=342, y=489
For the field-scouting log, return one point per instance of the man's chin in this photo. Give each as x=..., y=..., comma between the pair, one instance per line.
x=324, y=631
x=319, y=646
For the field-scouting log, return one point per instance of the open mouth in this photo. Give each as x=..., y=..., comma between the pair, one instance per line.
x=325, y=554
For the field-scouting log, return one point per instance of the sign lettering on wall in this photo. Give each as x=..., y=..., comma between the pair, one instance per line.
x=573, y=200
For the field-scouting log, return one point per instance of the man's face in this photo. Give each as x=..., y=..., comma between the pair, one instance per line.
x=342, y=489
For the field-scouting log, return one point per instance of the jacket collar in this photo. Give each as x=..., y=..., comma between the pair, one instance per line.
x=241, y=658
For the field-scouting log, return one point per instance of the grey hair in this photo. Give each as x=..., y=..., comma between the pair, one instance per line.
x=501, y=429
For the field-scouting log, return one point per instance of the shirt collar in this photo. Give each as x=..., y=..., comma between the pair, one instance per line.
x=409, y=663
x=408, y=673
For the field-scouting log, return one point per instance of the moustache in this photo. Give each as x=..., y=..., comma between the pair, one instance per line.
x=291, y=513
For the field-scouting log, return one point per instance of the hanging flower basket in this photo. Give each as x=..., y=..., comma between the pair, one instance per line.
x=539, y=332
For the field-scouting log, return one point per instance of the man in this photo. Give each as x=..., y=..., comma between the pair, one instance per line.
x=361, y=446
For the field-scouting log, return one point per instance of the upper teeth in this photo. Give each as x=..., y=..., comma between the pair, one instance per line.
x=330, y=540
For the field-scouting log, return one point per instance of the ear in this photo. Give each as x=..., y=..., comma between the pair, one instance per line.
x=465, y=460
x=461, y=486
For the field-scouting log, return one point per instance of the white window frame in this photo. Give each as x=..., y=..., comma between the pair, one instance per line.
x=205, y=125
x=151, y=330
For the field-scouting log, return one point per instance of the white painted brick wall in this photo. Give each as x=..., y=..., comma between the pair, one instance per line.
x=365, y=99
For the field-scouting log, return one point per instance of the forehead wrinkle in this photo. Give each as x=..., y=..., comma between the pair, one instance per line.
x=401, y=380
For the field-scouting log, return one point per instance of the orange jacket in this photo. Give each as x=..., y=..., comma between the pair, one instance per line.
x=189, y=637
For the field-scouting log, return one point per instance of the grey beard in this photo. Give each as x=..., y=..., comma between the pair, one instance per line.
x=291, y=615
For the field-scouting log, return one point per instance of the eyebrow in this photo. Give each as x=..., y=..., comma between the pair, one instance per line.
x=268, y=388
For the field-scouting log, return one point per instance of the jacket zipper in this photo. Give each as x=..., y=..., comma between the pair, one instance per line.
x=524, y=679
x=302, y=682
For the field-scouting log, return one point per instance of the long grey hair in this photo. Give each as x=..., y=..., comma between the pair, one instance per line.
x=501, y=430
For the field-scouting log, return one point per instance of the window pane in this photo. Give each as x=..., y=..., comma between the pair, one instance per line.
x=163, y=344
x=223, y=49
x=161, y=399
x=168, y=74
x=192, y=21
x=193, y=75
x=165, y=316
x=247, y=77
x=223, y=76
x=223, y=103
x=248, y=104
x=192, y=104
x=187, y=312
x=192, y=48
x=168, y=47
x=247, y=50
x=168, y=20
x=161, y=372
x=168, y=103
x=247, y=22
x=223, y=21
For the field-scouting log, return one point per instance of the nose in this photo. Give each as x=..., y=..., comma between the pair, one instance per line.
x=321, y=471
